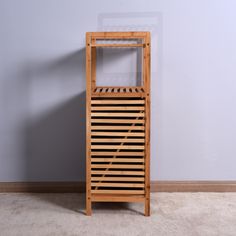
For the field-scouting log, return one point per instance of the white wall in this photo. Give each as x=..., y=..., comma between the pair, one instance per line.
x=42, y=85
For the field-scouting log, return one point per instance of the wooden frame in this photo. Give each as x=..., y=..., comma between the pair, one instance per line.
x=117, y=129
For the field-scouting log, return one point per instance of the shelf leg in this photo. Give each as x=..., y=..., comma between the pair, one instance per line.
x=88, y=207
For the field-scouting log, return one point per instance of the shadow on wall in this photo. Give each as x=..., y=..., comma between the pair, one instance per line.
x=56, y=143
x=55, y=135
x=55, y=140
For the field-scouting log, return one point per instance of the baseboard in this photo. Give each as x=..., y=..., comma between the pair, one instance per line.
x=193, y=186
x=156, y=186
x=42, y=187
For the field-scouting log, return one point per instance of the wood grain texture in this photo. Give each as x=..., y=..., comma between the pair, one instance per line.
x=88, y=123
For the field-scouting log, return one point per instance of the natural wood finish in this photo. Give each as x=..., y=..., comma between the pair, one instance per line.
x=132, y=102
x=93, y=66
x=118, y=140
x=88, y=124
x=147, y=123
x=116, y=114
x=133, y=134
x=123, y=108
x=118, y=134
x=118, y=45
x=118, y=191
x=117, y=147
x=110, y=179
x=105, y=127
x=117, y=121
x=135, y=160
x=117, y=172
x=102, y=184
x=117, y=153
x=117, y=198
x=116, y=166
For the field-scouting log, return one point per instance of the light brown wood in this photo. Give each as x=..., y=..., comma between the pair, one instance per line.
x=116, y=166
x=118, y=140
x=132, y=102
x=137, y=134
x=117, y=121
x=118, y=45
x=123, y=108
x=117, y=153
x=130, y=185
x=117, y=172
x=135, y=160
x=147, y=123
x=116, y=114
x=118, y=191
x=93, y=66
x=123, y=179
x=106, y=127
x=88, y=124
x=119, y=129
x=117, y=198
x=117, y=147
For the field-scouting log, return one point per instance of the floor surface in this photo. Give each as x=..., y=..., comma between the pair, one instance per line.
x=176, y=214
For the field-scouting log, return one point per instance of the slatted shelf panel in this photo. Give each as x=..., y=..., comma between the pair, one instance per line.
x=117, y=145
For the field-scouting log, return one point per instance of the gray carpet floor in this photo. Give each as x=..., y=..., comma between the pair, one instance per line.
x=176, y=214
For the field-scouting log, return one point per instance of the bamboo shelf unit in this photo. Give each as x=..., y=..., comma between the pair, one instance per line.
x=117, y=128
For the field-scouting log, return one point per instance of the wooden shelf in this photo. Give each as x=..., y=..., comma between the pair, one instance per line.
x=117, y=129
x=119, y=45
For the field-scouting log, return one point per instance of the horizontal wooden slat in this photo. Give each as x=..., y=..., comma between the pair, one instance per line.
x=110, y=108
x=117, y=153
x=117, y=147
x=137, y=134
x=117, y=198
x=120, y=45
x=106, y=127
x=118, y=191
x=118, y=94
x=117, y=114
x=119, y=185
x=118, y=140
x=117, y=121
x=117, y=166
x=117, y=102
x=118, y=87
x=117, y=160
x=124, y=179
x=116, y=172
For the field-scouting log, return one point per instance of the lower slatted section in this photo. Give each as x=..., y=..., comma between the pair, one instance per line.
x=117, y=145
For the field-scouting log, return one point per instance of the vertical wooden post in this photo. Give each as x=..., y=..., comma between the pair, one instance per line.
x=147, y=123
x=93, y=64
x=88, y=132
